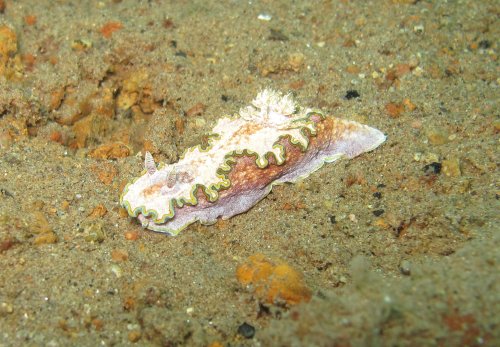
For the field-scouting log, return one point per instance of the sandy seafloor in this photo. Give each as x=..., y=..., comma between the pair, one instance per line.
x=400, y=246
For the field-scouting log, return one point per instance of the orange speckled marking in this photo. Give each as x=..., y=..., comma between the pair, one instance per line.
x=152, y=190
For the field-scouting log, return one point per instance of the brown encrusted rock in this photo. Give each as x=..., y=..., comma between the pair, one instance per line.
x=10, y=62
x=273, y=280
x=110, y=151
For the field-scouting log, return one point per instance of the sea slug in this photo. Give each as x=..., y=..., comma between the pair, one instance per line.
x=271, y=141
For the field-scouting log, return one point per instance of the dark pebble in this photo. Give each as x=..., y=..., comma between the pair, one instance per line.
x=405, y=268
x=6, y=193
x=381, y=185
x=484, y=44
x=277, y=35
x=378, y=213
x=377, y=195
x=432, y=168
x=224, y=98
x=351, y=94
x=181, y=54
x=332, y=220
x=246, y=330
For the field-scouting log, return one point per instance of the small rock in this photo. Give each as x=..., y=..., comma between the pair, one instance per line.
x=110, y=151
x=394, y=110
x=109, y=28
x=10, y=62
x=273, y=280
x=277, y=35
x=410, y=106
x=99, y=211
x=116, y=270
x=134, y=336
x=94, y=232
x=451, y=167
x=119, y=255
x=484, y=44
x=405, y=267
x=354, y=69
x=131, y=235
x=246, y=330
x=351, y=94
x=81, y=45
x=432, y=168
x=378, y=213
x=437, y=137
x=381, y=223
x=98, y=324
x=264, y=16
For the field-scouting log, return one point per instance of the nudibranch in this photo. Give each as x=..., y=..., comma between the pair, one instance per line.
x=271, y=141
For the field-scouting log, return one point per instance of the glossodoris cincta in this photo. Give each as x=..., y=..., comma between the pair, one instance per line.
x=269, y=142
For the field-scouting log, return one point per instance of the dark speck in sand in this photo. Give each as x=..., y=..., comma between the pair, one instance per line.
x=377, y=195
x=378, y=213
x=432, y=168
x=484, y=44
x=5, y=192
x=246, y=330
x=277, y=35
x=352, y=94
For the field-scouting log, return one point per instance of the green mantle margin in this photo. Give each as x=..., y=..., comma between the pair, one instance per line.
x=212, y=191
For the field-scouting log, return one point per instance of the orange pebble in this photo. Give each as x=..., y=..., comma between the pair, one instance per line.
x=29, y=60
x=109, y=28
x=134, y=336
x=131, y=235
x=353, y=69
x=273, y=280
x=119, y=255
x=56, y=136
x=112, y=150
x=97, y=323
x=30, y=20
x=409, y=104
x=99, y=211
x=394, y=110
